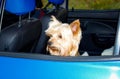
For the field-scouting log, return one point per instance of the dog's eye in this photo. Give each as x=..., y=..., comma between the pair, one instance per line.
x=60, y=36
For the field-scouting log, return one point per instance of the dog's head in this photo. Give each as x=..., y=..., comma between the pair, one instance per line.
x=64, y=38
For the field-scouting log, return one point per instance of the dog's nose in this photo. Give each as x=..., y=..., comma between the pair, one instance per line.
x=49, y=43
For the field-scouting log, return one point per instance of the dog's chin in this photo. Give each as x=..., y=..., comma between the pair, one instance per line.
x=54, y=50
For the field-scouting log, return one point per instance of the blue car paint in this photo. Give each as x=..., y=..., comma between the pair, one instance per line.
x=21, y=68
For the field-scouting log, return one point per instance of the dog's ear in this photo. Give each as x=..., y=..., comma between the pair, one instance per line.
x=54, y=22
x=75, y=27
x=54, y=19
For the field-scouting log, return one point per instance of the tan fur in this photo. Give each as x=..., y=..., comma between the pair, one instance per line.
x=64, y=38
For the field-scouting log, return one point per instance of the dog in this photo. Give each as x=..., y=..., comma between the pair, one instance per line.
x=64, y=38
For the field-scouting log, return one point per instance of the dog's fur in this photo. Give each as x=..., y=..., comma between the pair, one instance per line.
x=64, y=38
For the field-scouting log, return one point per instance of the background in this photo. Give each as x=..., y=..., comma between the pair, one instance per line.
x=92, y=4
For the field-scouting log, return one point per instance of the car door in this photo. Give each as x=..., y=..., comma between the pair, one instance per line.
x=98, y=27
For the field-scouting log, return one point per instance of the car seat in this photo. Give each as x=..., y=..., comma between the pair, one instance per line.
x=15, y=38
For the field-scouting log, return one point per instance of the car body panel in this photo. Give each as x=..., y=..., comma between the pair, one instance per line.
x=14, y=67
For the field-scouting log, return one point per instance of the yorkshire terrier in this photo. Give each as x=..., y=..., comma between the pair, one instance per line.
x=64, y=38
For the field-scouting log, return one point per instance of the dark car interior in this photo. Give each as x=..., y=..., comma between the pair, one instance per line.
x=98, y=29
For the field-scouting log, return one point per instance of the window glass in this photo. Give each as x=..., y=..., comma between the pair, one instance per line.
x=94, y=4
x=45, y=3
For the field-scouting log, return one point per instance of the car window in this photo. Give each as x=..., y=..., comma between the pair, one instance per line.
x=94, y=4
x=45, y=3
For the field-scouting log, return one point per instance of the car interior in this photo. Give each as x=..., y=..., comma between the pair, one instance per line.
x=24, y=32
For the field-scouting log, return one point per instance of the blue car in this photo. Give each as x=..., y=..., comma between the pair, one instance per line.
x=23, y=43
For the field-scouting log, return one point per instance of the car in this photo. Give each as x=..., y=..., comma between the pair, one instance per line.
x=23, y=48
